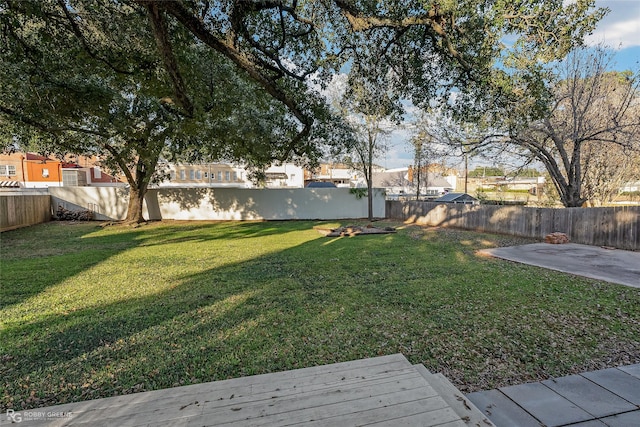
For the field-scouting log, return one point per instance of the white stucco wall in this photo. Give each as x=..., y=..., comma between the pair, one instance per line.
x=223, y=203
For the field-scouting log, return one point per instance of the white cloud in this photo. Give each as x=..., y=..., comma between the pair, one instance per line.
x=621, y=27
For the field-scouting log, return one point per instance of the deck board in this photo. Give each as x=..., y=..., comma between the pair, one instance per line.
x=385, y=390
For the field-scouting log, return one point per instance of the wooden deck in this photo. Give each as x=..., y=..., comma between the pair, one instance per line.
x=384, y=390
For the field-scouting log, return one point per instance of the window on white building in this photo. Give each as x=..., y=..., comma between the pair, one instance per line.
x=198, y=174
x=7, y=170
x=70, y=178
x=192, y=174
x=227, y=176
x=183, y=174
x=219, y=176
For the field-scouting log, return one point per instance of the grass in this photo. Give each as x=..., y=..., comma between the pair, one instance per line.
x=89, y=312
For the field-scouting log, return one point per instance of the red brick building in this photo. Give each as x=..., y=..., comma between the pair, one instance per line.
x=28, y=170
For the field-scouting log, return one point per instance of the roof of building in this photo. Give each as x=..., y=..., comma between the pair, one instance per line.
x=455, y=197
x=34, y=156
x=400, y=178
x=438, y=181
x=395, y=178
x=320, y=184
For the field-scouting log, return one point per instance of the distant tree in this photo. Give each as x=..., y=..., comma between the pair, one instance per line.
x=421, y=157
x=450, y=138
x=428, y=148
x=371, y=112
x=527, y=172
x=482, y=171
x=580, y=120
x=606, y=171
x=593, y=114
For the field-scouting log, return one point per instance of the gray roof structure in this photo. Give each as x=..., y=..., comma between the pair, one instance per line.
x=385, y=179
x=433, y=180
x=399, y=178
x=320, y=184
x=456, y=198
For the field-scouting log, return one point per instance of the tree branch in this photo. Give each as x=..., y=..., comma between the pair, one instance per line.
x=47, y=128
x=243, y=61
x=75, y=28
x=432, y=19
x=171, y=65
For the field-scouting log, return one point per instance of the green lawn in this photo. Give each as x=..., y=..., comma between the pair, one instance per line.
x=90, y=312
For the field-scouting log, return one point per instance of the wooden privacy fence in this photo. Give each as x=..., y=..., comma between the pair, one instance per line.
x=21, y=211
x=610, y=226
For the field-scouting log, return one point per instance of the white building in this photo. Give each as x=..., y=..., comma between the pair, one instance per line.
x=398, y=183
x=284, y=176
x=224, y=175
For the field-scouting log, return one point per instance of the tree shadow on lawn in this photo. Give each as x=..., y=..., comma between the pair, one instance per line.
x=194, y=331
x=201, y=231
x=29, y=269
x=62, y=251
x=318, y=302
x=54, y=343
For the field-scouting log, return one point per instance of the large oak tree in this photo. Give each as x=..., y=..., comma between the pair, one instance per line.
x=73, y=69
x=96, y=77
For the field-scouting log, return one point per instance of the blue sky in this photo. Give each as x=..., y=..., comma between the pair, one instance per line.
x=620, y=30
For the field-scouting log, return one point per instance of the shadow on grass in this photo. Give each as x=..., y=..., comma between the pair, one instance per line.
x=313, y=302
x=200, y=231
x=39, y=257
x=240, y=319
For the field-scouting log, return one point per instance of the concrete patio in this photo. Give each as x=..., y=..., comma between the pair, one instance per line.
x=609, y=397
x=608, y=264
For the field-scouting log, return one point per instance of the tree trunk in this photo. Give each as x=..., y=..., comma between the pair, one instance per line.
x=138, y=185
x=370, y=179
x=418, y=169
x=418, y=173
x=466, y=173
x=370, y=201
x=567, y=185
x=572, y=198
x=136, y=200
